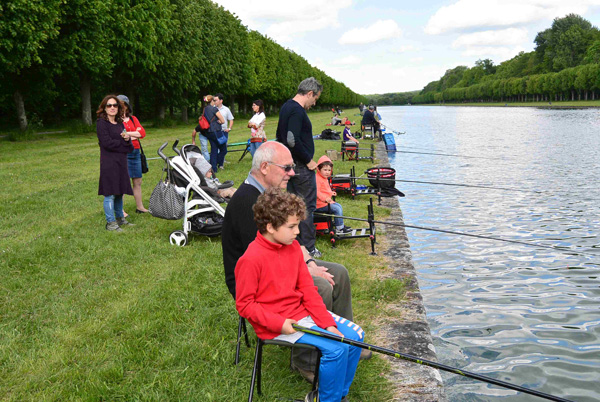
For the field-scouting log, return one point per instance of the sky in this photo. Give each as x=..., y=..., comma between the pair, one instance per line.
x=377, y=47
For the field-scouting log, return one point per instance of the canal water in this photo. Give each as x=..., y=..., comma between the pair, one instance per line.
x=525, y=315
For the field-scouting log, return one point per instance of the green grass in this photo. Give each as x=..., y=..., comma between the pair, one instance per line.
x=564, y=104
x=87, y=314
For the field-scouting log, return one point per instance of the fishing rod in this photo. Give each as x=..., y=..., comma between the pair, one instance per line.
x=442, y=154
x=429, y=363
x=440, y=183
x=459, y=233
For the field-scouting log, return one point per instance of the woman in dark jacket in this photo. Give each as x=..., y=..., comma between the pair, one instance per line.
x=214, y=117
x=114, y=146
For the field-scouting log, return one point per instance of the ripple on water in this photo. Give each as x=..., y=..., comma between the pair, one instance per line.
x=526, y=315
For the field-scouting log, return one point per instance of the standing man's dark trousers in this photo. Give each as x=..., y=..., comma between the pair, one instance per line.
x=304, y=184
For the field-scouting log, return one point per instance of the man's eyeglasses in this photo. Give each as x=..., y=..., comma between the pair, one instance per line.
x=286, y=168
x=112, y=105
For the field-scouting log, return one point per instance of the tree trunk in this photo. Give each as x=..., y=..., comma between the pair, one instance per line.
x=232, y=105
x=20, y=106
x=184, y=109
x=171, y=112
x=85, y=88
x=161, y=112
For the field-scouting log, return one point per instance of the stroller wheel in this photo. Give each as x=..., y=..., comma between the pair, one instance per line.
x=178, y=238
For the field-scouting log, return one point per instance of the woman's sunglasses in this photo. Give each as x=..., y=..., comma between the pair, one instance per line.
x=112, y=105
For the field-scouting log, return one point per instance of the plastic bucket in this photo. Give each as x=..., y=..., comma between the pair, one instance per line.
x=383, y=177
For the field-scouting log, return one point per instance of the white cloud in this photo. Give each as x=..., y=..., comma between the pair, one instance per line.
x=403, y=49
x=378, y=31
x=472, y=14
x=416, y=60
x=281, y=19
x=348, y=60
x=503, y=37
x=497, y=53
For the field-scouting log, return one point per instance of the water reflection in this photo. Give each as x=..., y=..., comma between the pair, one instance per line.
x=521, y=314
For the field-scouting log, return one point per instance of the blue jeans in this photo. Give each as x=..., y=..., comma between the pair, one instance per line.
x=226, y=133
x=204, y=146
x=113, y=207
x=334, y=209
x=338, y=360
x=304, y=184
x=254, y=146
x=217, y=151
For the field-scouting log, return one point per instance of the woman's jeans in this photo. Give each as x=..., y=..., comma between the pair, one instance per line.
x=113, y=207
x=333, y=209
x=204, y=146
x=217, y=151
x=254, y=146
x=338, y=360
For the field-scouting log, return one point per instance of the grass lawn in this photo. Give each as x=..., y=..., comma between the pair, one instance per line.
x=87, y=314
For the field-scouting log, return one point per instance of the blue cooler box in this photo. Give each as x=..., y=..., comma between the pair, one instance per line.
x=390, y=143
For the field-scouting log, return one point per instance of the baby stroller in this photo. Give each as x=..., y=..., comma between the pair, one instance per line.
x=202, y=213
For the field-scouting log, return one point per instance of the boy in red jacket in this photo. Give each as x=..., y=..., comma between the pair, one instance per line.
x=274, y=290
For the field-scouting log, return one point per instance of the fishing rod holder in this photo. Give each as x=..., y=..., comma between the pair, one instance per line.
x=324, y=225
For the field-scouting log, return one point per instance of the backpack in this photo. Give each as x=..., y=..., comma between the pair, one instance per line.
x=203, y=123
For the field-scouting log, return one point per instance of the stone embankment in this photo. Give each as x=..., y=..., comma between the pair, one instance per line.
x=406, y=330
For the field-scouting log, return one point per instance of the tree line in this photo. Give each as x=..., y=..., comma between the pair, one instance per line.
x=58, y=58
x=565, y=65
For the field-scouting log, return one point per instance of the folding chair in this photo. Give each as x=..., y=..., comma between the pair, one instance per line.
x=241, y=328
x=368, y=131
x=257, y=368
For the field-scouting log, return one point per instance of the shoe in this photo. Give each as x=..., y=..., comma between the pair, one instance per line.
x=345, y=399
x=312, y=396
x=345, y=229
x=221, y=167
x=113, y=226
x=123, y=222
x=365, y=354
x=309, y=376
x=139, y=211
x=315, y=253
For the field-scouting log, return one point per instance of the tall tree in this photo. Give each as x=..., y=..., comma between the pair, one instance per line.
x=27, y=25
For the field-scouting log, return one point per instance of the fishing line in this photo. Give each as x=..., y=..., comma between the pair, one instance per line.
x=460, y=234
x=440, y=183
x=429, y=363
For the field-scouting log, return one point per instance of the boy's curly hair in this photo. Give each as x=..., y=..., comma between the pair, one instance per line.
x=275, y=206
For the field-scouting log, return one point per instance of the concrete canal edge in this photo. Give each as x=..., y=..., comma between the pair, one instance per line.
x=407, y=331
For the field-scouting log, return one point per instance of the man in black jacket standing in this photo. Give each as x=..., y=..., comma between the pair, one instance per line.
x=294, y=130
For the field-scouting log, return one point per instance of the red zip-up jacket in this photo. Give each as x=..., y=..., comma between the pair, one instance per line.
x=272, y=284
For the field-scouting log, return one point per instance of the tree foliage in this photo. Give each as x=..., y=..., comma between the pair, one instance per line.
x=164, y=54
x=563, y=66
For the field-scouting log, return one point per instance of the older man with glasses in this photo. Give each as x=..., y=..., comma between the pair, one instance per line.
x=273, y=166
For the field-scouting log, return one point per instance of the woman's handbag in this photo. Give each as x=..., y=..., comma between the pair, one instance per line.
x=165, y=202
x=221, y=138
x=143, y=158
